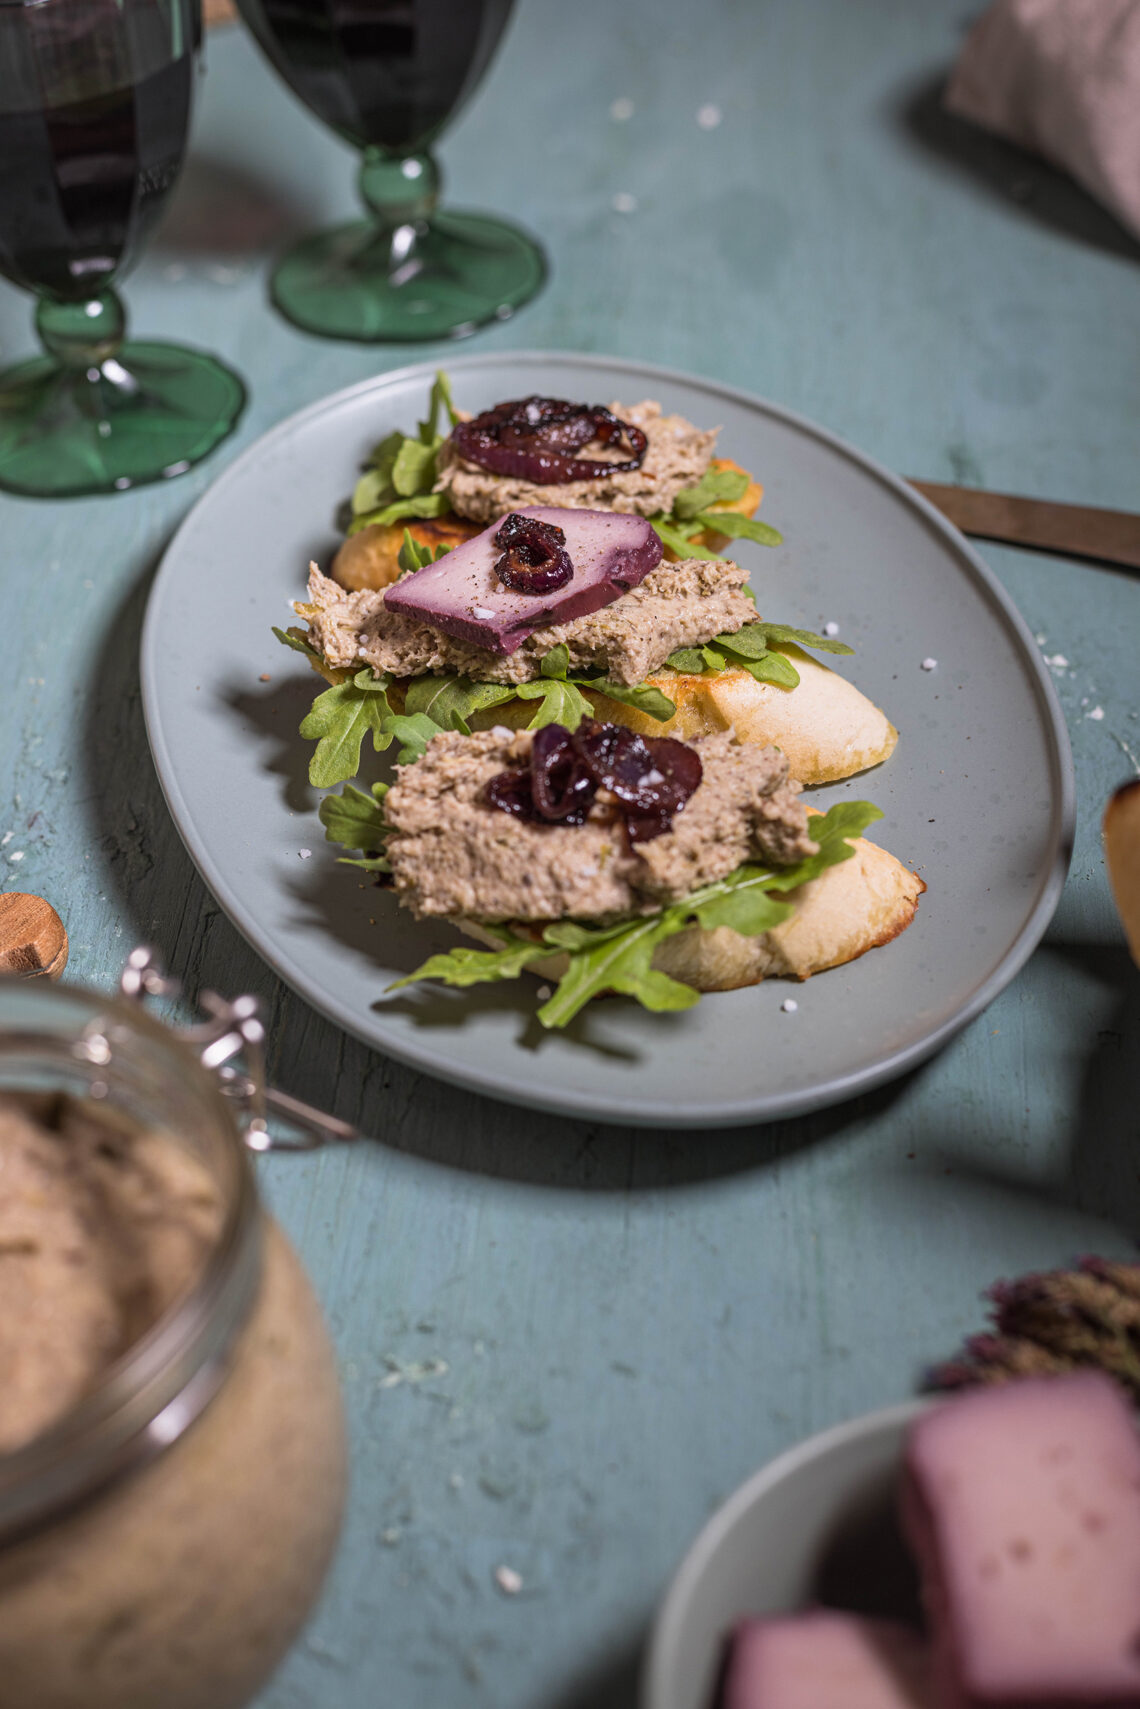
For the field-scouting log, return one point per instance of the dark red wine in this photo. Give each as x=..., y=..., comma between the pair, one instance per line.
x=388, y=72
x=82, y=181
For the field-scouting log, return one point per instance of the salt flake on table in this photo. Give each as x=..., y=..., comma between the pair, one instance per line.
x=831, y=630
x=624, y=203
x=305, y=854
x=709, y=116
x=1096, y=714
x=621, y=109
x=16, y=854
x=930, y=664
x=789, y=1005
x=1057, y=662
x=508, y=1580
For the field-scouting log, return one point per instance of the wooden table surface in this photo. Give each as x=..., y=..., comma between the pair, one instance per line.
x=563, y=1344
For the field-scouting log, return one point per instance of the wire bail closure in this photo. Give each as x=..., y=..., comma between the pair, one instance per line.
x=234, y=1029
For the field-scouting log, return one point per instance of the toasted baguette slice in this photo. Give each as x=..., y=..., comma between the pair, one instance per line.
x=370, y=558
x=851, y=908
x=1122, y=857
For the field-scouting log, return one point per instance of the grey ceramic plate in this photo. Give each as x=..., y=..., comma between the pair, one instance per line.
x=978, y=794
x=816, y=1526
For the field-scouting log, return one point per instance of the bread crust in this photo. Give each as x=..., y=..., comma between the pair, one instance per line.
x=851, y=908
x=371, y=558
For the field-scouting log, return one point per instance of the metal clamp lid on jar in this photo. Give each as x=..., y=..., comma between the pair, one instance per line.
x=234, y=1028
x=152, y=1395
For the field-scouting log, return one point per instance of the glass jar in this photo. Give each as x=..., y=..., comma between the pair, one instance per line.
x=162, y=1541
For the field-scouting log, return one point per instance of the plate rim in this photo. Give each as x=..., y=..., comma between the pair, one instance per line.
x=570, y=1102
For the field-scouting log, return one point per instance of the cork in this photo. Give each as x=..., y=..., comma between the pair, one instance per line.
x=32, y=937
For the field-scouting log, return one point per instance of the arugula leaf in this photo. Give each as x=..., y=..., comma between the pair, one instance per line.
x=773, y=667
x=338, y=721
x=414, y=469
x=749, y=649
x=465, y=966
x=620, y=957
x=355, y=820
x=413, y=732
x=678, y=541
x=715, y=486
x=450, y=701
x=422, y=505
x=689, y=661
x=642, y=695
x=288, y=639
x=562, y=702
x=619, y=961
x=403, y=470
x=801, y=638
x=439, y=399
x=556, y=663
x=737, y=526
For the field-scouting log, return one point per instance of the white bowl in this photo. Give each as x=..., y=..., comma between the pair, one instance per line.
x=815, y=1525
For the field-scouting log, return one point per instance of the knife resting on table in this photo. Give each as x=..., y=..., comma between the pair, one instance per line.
x=1076, y=530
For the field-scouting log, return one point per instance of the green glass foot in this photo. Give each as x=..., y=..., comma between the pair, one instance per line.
x=145, y=413
x=411, y=284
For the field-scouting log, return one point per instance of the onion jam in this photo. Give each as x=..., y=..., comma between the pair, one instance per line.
x=535, y=559
x=536, y=439
x=649, y=777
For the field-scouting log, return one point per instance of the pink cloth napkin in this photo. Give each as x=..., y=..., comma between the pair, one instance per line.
x=1061, y=77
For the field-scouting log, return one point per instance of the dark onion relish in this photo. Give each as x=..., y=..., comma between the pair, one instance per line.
x=651, y=778
x=535, y=559
x=535, y=439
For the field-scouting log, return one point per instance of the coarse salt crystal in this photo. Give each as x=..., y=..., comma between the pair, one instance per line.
x=930, y=664
x=544, y=992
x=831, y=630
x=1096, y=714
x=1058, y=662
x=501, y=732
x=789, y=1005
x=306, y=854
x=481, y=612
x=508, y=1581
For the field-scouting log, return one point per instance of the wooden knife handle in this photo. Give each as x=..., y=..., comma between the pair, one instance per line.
x=1077, y=530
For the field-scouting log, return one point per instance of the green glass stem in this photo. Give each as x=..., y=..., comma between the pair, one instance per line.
x=413, y=270
x=99, y=414
x=82, y=335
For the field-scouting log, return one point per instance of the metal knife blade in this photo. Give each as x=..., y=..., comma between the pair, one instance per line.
x=1076, y=530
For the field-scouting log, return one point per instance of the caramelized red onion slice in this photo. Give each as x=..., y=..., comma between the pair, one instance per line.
x=535, y=439
x=651, y=778
x=534, y=557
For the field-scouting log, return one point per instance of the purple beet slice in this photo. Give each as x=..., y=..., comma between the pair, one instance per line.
x=462, y=595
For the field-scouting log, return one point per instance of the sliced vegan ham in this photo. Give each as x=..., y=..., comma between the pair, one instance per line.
x=461, y=595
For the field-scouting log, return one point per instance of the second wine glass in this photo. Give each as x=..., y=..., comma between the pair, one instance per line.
x=387, y=77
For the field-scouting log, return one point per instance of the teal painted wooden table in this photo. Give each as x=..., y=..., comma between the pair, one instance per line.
x=562, y=1345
